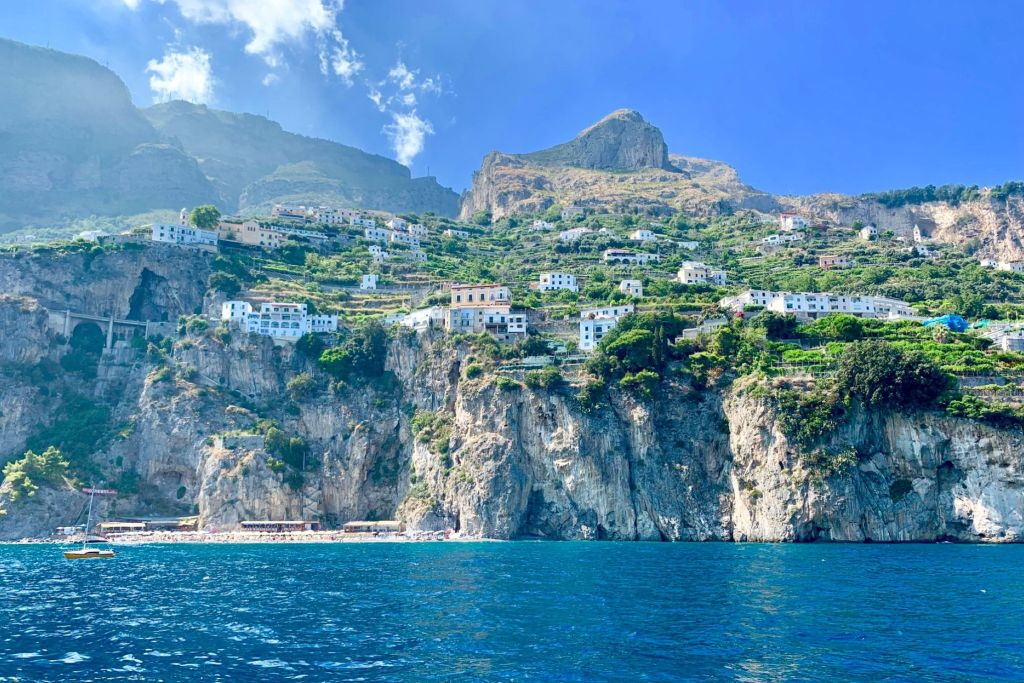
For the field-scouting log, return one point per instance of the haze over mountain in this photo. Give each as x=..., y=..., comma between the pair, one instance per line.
x=72, y=144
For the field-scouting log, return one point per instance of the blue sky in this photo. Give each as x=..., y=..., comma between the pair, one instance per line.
x=799, y=96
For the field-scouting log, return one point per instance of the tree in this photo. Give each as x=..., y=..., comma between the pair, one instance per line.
x=23, y=476
x=206, y=217
x=879, y=374
x=224, y=282
x=361, y=355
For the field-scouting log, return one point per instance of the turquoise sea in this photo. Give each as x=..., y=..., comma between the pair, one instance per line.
x=514, y=611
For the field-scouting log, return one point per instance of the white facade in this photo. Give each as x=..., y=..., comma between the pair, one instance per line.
x=286, y=321
x=624, y=256
x=574, y=234
x=542, y=225
x=791, y=221
x=868, y=232
x=236, y=312
x=499, y=321
x=554, y=281
x=364, y=222
x=397, y=223
x=418, y=230
x=988, y=263
x=425, y=318
x=595, y=323
x=368, y=281
x=571, y=212
x=815, y=305
x=1011, y=266
x=289, y=211
x=452, y=232
x=688, y=245
x=417, y=255
x=376, y=234
x=642, y=235
x=179, y=234
x=405, y=238
x=632, y=287
x=698, y=273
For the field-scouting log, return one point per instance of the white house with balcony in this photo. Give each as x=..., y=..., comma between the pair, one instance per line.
x=550, y=282
x=364, y=222
x=699, y=273
x=170, y=233
x=573, y=234
x=595, y=323
x=368, y=281
x=812, y=305
x=625, y=256
x=632, y=288
x=280, y=320
x=405, y=238
x=642, y=235
x=789, y=221
x=376, y=234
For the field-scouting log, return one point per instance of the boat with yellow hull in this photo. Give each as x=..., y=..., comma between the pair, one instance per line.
x=88, y=553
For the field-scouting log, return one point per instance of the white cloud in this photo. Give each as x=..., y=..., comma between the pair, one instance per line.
x=408, y=79
x=407, y=134
x=345, y=62
x=270, y=79
x=182, y=76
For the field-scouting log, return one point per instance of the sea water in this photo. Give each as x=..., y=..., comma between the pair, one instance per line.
x=514, y=611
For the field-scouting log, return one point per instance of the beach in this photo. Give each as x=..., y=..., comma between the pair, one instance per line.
x=245, y=537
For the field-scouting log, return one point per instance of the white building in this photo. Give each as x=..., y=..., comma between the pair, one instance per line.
x=632, y=288
x=815, y=305
x=425, y=318
x=418, y=230
x=286, y=321
x=368, y=281
x=595, y=323
x=1011, y=266
x=923, y=230
x=625, y=256
x=542, y=225
x=397, y=223
x=573, y=234
x=498, y=321
x=553, y=281
x=90, y=235
x=452, y=232
x=417, y=256
x=789, y=221
x=180, y=234
x=868, y=232
x=235, y=312
x=988, y=263
x=615, y=311
x=331, y=216
x=299, y=232
x=364, y=222
x=475, y=295
x=698, y=273
x=376, y=234
x=642, y=235
x=405, y=238
x=688, y=245
x=570, y=212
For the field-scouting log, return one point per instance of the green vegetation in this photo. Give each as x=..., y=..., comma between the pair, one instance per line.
x=433, y=428
x=359, y=356
x=205, y=217
x=25, y=475
x=301, y=387
x=80, y=427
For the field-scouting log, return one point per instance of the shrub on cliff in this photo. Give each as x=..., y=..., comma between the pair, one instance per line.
x=361, y=355
x=227, y=283
x=548, y=379
x=205, y=217
x=24, y=475
x=301, y=386
x=880, y=374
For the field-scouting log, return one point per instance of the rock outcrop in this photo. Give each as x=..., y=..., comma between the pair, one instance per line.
x=498, y=462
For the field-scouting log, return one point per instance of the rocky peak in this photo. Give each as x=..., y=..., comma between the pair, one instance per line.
x=621, y=141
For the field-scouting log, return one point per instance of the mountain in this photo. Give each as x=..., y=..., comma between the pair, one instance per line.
x=619, y=163
x=72, y=145
x=253, y=163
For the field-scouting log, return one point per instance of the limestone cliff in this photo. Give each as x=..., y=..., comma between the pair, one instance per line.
x=494, y=462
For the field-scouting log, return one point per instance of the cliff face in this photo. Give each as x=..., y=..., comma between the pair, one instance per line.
x=498, y=463
x=995, y=228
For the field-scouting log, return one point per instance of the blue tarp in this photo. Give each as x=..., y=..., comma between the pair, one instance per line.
x=950, y=320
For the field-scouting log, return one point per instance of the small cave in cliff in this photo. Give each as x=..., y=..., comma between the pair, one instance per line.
x=147, y=301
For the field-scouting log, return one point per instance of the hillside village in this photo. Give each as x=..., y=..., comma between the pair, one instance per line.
x=395, y=245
